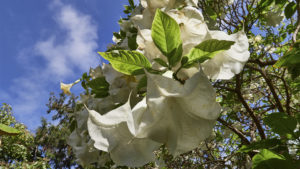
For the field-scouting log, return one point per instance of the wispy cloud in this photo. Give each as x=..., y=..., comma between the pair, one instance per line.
x=63, y=56
x=77, y=50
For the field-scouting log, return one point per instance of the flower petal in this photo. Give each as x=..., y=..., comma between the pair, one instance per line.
x=180, y=116
x=112, y=134
x=230, y=62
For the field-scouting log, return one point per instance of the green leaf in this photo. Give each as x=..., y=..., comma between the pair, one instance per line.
x=267, y=159
x=7, y=130
x=291, y=60
x=142, y=83
x=281, y=124
x=265, y=3
x=132, y=42
x=212, y=14
x=127, y=62
x=262, y=144
x=166, y=36
x=290, y=9
x=206, y=50
x=99, y=86
x=131, y=2
x=161, y=62
x=280, y=2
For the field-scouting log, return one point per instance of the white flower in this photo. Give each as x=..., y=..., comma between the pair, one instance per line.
x=258, y=38
x=230, y=62
x=193, y=31
x=185, y=113
x=192, y=25
x=180, y=116
x=81, y=143
x=66, y=87
x=154, y=4
x=112, y=133
x=83, y=147
x=120, y=84
x=143, y=20
x=147, y=46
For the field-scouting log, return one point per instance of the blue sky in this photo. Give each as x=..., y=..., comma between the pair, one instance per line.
x=43, y=42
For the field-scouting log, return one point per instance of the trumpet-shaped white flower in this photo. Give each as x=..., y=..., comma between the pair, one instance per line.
x=193, y=27
x=112, y=133
x=81, y=143
x=180, y=116
x=83, y=147
x=143, y=18
x=147, y=46
x=67, y=87
x=230, y=62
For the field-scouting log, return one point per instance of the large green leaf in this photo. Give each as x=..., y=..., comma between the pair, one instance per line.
x=267, y=159
x=7, y=130
x=262, y=144
x=206, y=50
x=99, y=86
x=281, y=124
x=127, y=62
x=166, y=36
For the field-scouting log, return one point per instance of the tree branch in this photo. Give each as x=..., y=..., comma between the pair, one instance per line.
x=247, y=107
x=261, y=63
x=235, y=130
x=271, y=86
x=288, y=95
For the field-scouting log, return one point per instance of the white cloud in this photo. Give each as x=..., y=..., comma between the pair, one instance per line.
x=77, y=50
x=63, y=56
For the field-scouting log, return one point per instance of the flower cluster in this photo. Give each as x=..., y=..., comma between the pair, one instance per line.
x=177, y=107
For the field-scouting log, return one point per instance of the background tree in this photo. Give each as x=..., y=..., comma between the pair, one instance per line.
x=52, y=139
x=18, y=151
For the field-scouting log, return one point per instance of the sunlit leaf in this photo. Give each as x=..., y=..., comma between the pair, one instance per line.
x=166, y=36
x=206, y=50
x=127, y=62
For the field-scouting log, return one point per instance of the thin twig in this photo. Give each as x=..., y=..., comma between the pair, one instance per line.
x=235, y=130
